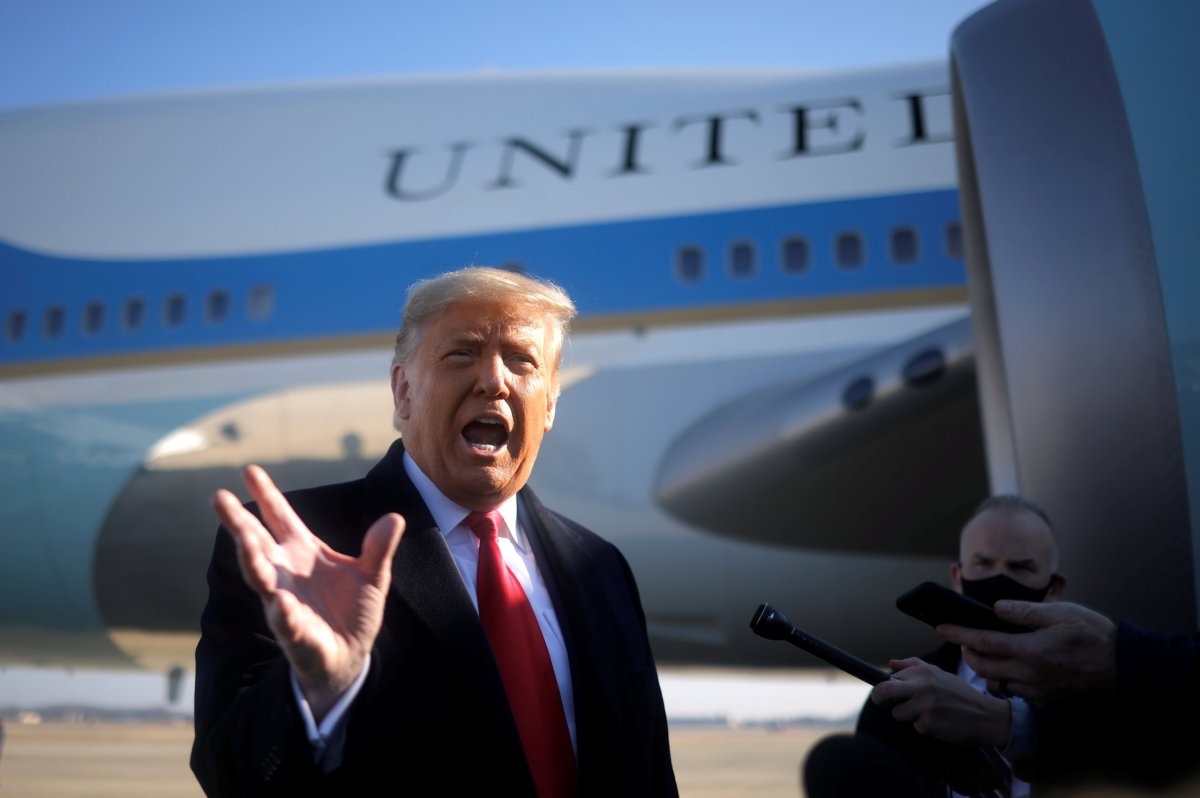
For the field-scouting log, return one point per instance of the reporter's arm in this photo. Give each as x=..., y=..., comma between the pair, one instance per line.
x=1161, y=662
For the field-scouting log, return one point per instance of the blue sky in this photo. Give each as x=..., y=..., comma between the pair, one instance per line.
x=54, y=51
x=62, y=50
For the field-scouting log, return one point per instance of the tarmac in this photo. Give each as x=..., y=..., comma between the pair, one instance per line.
x=150, y=760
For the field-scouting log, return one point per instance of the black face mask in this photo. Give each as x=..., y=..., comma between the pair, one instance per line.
x=989, y=591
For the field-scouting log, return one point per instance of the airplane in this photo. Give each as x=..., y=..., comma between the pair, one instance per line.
x=769, y=394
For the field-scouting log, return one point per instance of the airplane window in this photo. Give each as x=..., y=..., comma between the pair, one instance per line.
x=859, y=393
x=134, y=314
x=218, y=306
x=175, y=310
x=741, y=260
x=54, y=322
x=14, y=329
x=849, y=250
x=904, y=245
x=925, y=368
x=93, y=317
x=689, y=264
x=796, y=255
x=261, y=303
x=954, y=241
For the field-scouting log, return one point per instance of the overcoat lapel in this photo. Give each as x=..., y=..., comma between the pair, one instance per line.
x=425, y=577
x=564, y=560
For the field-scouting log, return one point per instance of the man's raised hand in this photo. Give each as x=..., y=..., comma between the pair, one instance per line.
x=324, y=608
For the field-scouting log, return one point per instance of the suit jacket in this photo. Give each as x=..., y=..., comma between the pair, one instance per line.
x=432, y=717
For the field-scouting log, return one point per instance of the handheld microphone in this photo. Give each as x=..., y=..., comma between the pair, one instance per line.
x=977, y=770
x=772, y=624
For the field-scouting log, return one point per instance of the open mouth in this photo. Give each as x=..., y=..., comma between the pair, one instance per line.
x=486, y=435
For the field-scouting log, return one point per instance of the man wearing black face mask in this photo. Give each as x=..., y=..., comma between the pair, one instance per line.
x=1007, y=551
x=936, y=707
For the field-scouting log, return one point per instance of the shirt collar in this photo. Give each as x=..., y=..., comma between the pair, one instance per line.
x=448, y=515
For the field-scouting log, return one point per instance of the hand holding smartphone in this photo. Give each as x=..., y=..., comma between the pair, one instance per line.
x=937, y=604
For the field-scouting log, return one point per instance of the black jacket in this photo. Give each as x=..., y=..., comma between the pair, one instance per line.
x=432, y=717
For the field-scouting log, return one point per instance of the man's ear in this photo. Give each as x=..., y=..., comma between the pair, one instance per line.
x=551, y=406
x=402, y=405
x=956, y=577
x=1058, y=583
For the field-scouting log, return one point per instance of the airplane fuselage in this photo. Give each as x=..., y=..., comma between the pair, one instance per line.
x=194, y=283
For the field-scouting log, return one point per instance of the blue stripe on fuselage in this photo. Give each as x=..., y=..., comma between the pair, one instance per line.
x=610, y=269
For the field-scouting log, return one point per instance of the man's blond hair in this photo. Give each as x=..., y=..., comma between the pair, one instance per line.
x=428, y=298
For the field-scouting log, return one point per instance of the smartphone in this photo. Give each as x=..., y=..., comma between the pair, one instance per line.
x=937, y=604
x=770, y=623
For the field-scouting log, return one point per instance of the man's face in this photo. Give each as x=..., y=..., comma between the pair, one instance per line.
x=1017, y=544
x=476, y=398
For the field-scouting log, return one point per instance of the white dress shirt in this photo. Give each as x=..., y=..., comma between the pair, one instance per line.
x=464, y=547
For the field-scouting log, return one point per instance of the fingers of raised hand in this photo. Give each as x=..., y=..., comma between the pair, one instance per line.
x=284, y=524
x=378, y=547
x=252, y=540
x=289, y=618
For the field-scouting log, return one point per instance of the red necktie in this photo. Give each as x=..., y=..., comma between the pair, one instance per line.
x=520, y=651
